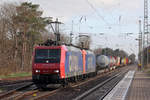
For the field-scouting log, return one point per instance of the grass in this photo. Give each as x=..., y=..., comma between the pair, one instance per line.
x=22, y=74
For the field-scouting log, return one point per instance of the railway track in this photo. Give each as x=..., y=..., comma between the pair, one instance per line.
x=106, y=84
x=23, y=93
x=8, y=82
x=73, y=87
x=10, y=86
x=36, y=94
x=14, y=92
x=41, y=94
x=26, y=92
x=101, y=90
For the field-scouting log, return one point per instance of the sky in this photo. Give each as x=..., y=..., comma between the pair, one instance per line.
x=114, y=18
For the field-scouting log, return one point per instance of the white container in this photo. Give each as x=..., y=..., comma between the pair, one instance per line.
x=102, y=61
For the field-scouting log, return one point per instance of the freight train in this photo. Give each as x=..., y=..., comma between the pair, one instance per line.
x=110, y=62
x=62, y=64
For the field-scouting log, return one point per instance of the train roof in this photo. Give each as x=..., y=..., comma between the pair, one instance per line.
x=47, y=47
x=71, y=48
x=68, y=47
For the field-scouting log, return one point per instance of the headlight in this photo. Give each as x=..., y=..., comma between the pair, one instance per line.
x=37, y=71
x=56, y=71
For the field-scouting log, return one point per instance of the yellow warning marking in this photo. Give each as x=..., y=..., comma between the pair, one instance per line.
x=34, y=94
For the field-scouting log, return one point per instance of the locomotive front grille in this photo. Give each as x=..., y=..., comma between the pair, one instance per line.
x=49, y=78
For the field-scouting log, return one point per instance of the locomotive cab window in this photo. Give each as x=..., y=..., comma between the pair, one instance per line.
x=47, y=55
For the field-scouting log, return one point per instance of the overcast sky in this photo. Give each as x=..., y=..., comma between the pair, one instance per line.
x=114, y=18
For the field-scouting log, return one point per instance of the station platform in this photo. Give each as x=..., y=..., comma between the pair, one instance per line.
x=140, y=87
x=134, y=86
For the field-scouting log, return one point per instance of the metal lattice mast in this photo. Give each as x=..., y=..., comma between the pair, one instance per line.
x=140, y=43
x=145, y=35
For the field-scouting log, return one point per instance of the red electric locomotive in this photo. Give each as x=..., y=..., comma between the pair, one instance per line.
x=47, y=64
x=60, y=64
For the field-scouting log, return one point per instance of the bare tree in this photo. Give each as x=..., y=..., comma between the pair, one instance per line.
x=98, y=51
x=21, y=26
x=7, y=37
x=132, y=57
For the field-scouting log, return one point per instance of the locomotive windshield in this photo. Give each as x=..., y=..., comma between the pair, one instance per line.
x=47, y=55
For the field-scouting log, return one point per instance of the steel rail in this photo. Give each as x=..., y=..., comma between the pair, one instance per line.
x=15, y=90
x=85, y=94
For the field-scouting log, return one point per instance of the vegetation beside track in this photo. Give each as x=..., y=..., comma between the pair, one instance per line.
x=15, y=75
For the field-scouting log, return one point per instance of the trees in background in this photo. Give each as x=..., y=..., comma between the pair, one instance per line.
x=111, y=52
x=7, y=38
x=132, y=57
x=29, y=25
x=21, y=27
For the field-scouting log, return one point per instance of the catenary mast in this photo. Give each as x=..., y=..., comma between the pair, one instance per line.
x=145, y=33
